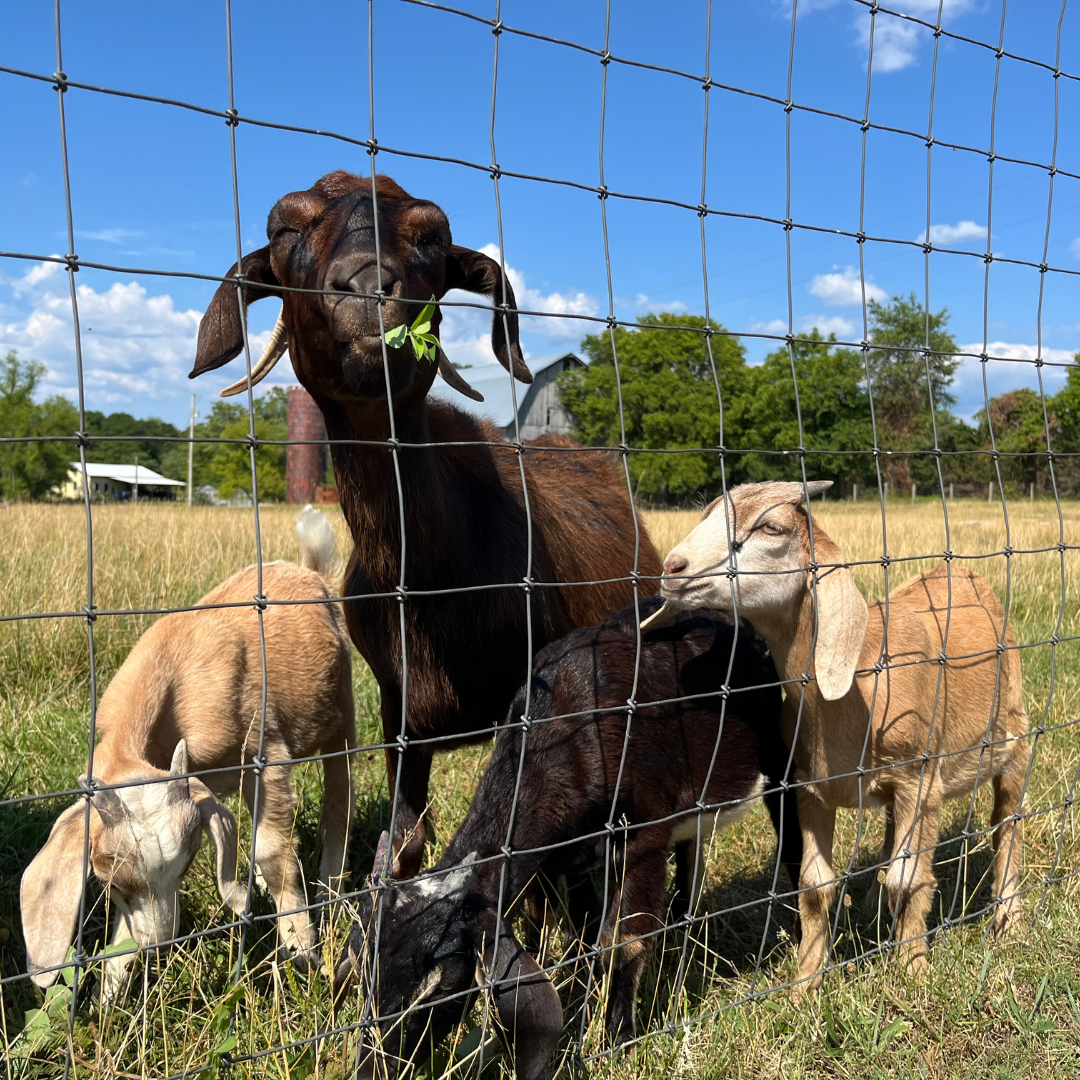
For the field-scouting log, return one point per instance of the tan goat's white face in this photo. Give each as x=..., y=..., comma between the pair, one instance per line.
x=748, y=554
x=151, y=836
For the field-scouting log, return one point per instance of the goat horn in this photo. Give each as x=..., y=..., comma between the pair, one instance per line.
x=452, y=378
x=178, y=788
x=274, y=351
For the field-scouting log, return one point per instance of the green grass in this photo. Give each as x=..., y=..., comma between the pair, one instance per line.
x=986, y=1009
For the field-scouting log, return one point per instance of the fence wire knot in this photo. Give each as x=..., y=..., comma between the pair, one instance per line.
x=72, y=261
x=60, y=82
x=232, y=117
x=260, y=601
x=259, y=762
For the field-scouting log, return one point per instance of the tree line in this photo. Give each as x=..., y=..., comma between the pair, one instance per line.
x=688, y=388
x=685, y=386
x=33, y=469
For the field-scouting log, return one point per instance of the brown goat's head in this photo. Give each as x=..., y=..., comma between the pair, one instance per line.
x=323, y=241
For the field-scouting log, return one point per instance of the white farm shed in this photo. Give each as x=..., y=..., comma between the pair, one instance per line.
x=116, y=481
x=540, y=409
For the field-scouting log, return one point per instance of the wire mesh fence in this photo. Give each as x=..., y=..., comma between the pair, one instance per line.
x=478, y=558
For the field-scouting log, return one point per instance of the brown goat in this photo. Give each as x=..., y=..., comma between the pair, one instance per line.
x=355, y=244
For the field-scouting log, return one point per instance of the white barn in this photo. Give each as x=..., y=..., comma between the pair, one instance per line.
x=540, y=409
x=116, y=481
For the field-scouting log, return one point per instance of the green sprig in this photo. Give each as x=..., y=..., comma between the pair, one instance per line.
x=425, y=344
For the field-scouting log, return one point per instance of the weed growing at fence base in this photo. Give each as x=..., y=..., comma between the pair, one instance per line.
x=986, y=1009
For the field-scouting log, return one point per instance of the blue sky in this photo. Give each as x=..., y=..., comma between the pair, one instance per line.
x=152, y=187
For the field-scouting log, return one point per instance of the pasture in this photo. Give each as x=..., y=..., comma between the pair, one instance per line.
x=986, y=1008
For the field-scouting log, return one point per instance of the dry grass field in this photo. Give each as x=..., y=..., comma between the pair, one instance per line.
x=987, y=1009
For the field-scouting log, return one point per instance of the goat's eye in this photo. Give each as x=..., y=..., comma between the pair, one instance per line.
x=772, y=527
x=285, y=230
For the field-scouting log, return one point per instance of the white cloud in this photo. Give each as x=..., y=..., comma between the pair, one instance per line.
x=1007, y=350
x=826, y=325
x=109, y=236
x=896, y=41
x=804, y=324
x=644, y=303
x=844, y=289
x=1074, y=247
x=773, y=326
x=951, y=234
x=134, y=346
x=1001, y=377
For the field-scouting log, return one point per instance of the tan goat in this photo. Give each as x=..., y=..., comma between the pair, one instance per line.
x=189, y=697
x=878, y=667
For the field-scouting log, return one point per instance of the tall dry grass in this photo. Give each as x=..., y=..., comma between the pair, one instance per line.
x=1009, y=1008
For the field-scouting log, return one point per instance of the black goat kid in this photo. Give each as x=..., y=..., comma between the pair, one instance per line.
x=437, y=932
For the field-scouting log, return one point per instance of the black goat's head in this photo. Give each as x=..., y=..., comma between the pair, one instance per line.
x=425, y=947
x=436, y=941
x=323, y=241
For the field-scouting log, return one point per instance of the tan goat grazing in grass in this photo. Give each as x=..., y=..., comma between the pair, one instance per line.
x=878, y=699
x=189, y=696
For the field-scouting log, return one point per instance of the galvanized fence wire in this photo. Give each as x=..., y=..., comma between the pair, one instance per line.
x=603, y=949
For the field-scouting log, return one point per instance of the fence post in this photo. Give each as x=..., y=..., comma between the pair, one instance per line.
x=950, y=491
x=854, y=492
x=886, y=489
x=990, y=493
x=1032, y=490
x=914, y=487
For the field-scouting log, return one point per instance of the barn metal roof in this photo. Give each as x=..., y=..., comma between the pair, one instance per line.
x=126, y=474
x=493, y=382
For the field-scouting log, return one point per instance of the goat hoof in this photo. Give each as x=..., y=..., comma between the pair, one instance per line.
x=1002, y=924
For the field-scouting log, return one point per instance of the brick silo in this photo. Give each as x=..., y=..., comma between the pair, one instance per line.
x=305, y=464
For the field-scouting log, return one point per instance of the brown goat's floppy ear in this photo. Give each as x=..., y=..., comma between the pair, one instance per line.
x=841, y=621
x=475, y=272
x=50, y=893
x=221, y=334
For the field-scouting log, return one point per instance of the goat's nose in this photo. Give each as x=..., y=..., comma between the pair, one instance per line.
x=675, y=564
x=365, y=281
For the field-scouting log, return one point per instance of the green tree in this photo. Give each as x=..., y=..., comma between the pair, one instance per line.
x=227, y=466
x=139, y=442
x=31, y=470
x=832, y=402
x=1019, y=427
x=669, y=400
x=1065, y=405
x=230, y=463
x=903, y=377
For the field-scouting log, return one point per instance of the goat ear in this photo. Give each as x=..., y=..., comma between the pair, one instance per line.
x=49, y=895
x=528, y=1006
x=478, y=273
x=221, y=333
x=382, y=866
x=842, y=615
x=218, y=820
